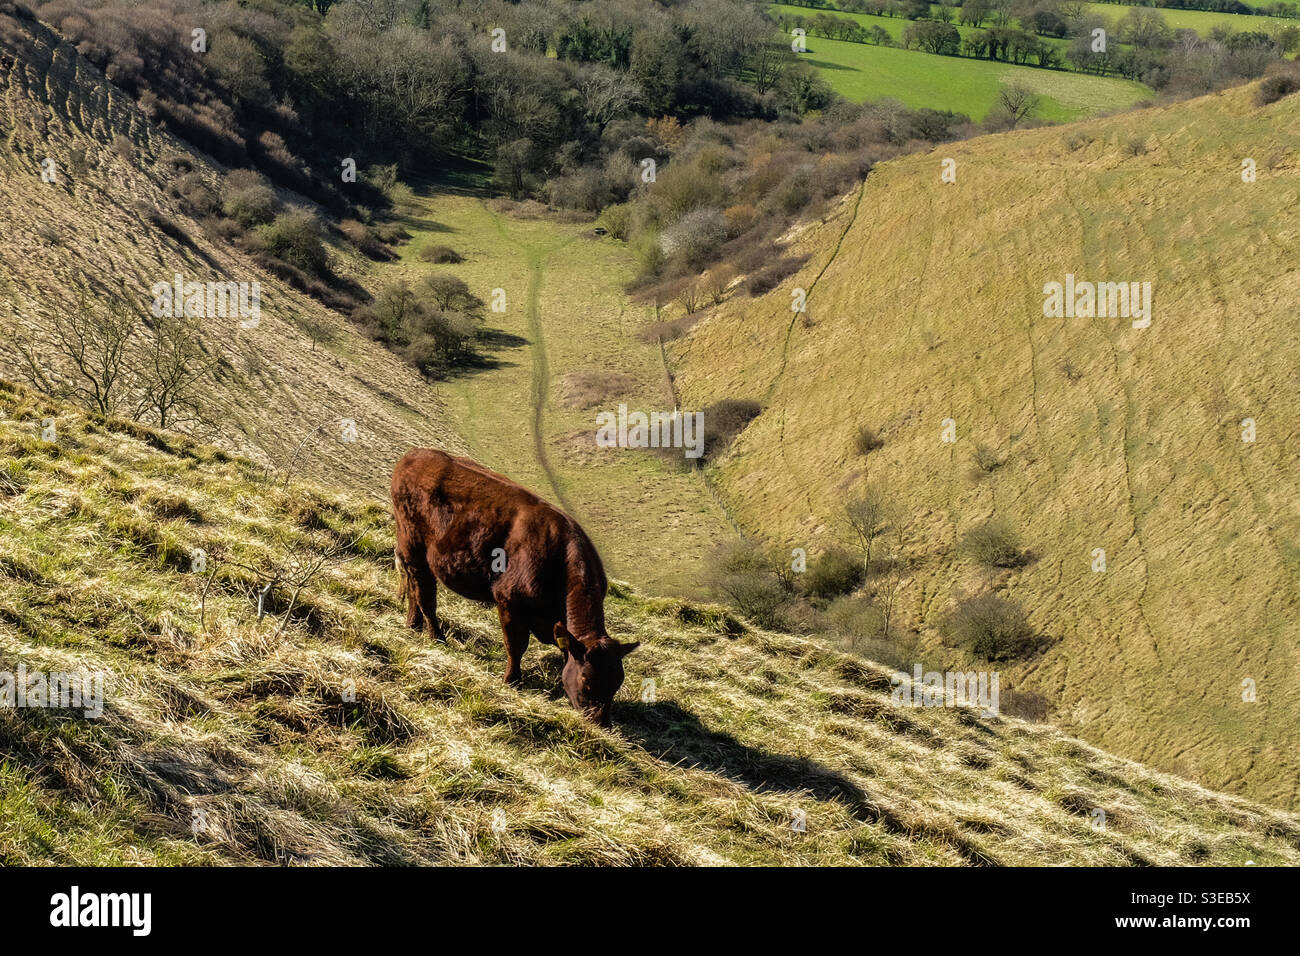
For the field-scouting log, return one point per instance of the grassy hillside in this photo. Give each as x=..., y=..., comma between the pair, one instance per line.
x=861, y=71
x=91, y=231
x=926, y=304
x=280, y=395
x=227, y=739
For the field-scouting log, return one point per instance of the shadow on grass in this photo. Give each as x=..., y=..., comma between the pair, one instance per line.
x=485, y=358
x=677, y=736
x=827, y=65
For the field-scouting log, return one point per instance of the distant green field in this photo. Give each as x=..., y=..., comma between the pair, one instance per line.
x=859, y=71
x=1200, y=21
x=894, y=26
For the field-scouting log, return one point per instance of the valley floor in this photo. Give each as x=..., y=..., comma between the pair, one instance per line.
x=565, y=315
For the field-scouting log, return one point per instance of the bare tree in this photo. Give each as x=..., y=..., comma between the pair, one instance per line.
x=892, y=585
x=1018, y=101
x=85, y=354
x=173, y=372
x=286, y=575
x=606, y=94
x=867, y=516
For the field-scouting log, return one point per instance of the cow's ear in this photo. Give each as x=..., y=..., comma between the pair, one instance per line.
x=626, y=649
x=566, y=642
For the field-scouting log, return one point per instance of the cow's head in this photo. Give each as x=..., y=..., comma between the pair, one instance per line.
x=593, y=671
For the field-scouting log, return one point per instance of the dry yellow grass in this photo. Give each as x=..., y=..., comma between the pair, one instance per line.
x=926, y=304
x=226, y=739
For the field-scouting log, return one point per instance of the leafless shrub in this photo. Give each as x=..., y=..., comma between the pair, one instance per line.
x=589, y=389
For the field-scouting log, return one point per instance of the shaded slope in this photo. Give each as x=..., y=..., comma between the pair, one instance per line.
x=91, y=229
x=1110, y=437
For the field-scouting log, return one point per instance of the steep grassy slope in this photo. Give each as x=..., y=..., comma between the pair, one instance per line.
x=229, y=739
x=926, y=303
x=87, y=232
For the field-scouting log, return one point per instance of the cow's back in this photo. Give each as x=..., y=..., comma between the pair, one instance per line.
x=460, y=517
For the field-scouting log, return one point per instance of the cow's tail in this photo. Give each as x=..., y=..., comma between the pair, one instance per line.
x=401, y=575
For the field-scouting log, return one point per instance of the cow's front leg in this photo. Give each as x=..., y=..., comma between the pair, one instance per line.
x=514, y=627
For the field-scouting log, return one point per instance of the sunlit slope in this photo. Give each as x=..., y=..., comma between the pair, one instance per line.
x=90, y=230
x=329, y=733
x=930, y=307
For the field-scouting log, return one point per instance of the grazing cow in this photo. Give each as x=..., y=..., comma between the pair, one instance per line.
x=491, y=540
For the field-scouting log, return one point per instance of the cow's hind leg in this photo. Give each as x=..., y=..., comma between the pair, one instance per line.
x=405, y=589
x=514, y=627
x=422, y=595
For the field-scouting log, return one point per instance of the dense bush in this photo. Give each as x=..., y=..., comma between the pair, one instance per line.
x=366, y=240
x=855, y=618
x=833, y=573
x=994, y=544
x=696, y=237
x=1273, y=88
x=753, y=578
x=247, y=199
x=434, y=325
x=442, y=255
x=723, y=421
x=866, y=440
x=985, y=459
x=295, y=237
x=195, y=196
x=991, y=627
x=772, y=275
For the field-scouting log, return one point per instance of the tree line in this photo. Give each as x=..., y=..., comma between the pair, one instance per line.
x=1139, y=46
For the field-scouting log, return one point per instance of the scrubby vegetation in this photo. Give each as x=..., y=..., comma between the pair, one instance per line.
x=994, y=543
x=433, y=325
x=991, y=627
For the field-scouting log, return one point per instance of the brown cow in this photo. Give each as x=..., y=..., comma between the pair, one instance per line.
x=491, y=540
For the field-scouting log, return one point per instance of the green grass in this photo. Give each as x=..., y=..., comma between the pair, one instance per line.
x=860, y=71
x=340, y=737
x=894, y=26
x=1202, y=21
